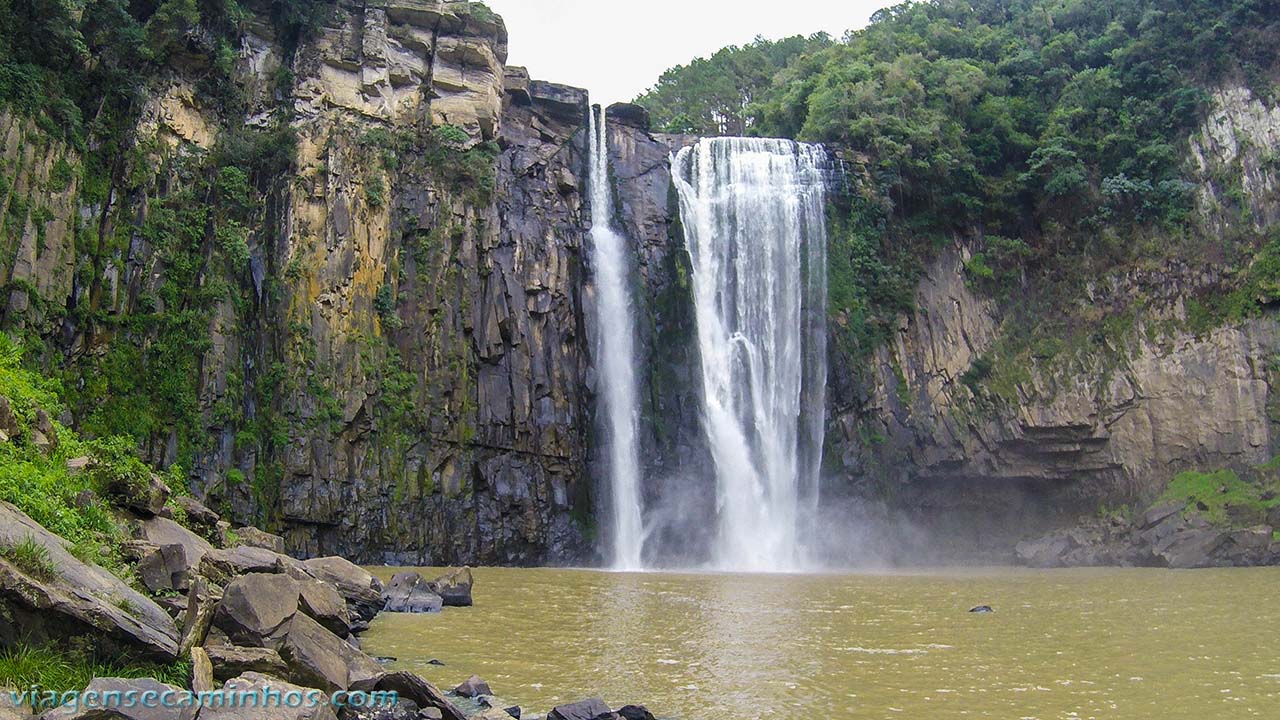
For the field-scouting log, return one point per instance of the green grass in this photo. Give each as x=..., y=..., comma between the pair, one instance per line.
x=25, y=666
x=31, y=557
x=1219, y=493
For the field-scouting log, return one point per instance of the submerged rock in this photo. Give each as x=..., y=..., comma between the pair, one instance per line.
x=982, y=609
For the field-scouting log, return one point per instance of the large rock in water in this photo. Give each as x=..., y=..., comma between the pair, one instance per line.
x=454, y=587
x=74, y=599
x=409, y=593
x=362, y=591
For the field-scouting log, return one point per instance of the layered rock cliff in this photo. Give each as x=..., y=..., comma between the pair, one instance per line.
x=348, y=293
x=966, y=448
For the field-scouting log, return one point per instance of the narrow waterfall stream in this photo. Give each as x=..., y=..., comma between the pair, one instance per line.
x=753, y=214
x=615, y=353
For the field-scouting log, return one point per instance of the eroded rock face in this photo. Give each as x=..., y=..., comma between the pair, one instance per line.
x=1111, y=432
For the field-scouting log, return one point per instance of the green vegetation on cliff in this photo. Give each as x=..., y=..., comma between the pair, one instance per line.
x=1051, y=135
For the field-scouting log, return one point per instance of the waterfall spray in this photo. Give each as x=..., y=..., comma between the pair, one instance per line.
x=753, y=213
x=615, y=357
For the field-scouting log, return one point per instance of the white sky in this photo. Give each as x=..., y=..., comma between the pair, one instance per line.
x=617, y=48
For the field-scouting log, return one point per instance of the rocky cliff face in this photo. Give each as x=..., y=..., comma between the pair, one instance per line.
x=398, y=370
x=355, y=304
x=984, y=461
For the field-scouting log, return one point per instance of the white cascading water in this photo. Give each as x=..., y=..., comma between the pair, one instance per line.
x=615, y=353
x=753, y=215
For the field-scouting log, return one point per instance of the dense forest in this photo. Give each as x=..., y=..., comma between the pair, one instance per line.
x=1050, y=134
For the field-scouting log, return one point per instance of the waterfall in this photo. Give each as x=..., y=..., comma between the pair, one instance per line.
x=753, y=215
x=615, y=357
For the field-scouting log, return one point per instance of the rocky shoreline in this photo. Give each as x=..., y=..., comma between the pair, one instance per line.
x=245, y=616
x=1172, y=534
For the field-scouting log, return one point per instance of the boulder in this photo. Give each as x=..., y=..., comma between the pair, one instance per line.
x=1157, y=514
x=167, y=567
x=362, y=591
x=197, y=512
x=318, y=658
x=161, y=531
x=592, y=709
x=321, y=602
x=254, y=683
x=1192, y=548
x=635, y=712
x=43, y=434
x=256, y=609
x=10, y=710
x=426, y=695
x=473, y=687
x=223, y=566
x=147, y=498
x=255, y=538
x=454, y=587
x=230, y=661
x=74, y=599
x=9, y=427
x=409, y=593
x=105, y=698
x=197, y=616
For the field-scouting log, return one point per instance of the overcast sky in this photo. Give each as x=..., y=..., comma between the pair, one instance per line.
x=618, y=48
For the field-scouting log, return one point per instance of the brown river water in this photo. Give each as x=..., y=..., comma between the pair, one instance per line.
x=1069, y=644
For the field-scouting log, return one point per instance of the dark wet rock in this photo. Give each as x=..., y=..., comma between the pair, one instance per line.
x=361, y=590
x=409, y=593
x=592, y=709
x=438, y=663
x=454, y=587
x=256, y=683
x=982, y=609
x=473, y=687
x=402, y=710
x=514, y=711
x=255, y=538
x=256, y=609
x=635, y=712
x=121, y=710
x=230, y=661
x=426, y=695
x=74, y=599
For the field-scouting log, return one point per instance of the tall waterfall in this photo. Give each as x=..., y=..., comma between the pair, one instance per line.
x=615, y=353
x=753, y=214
